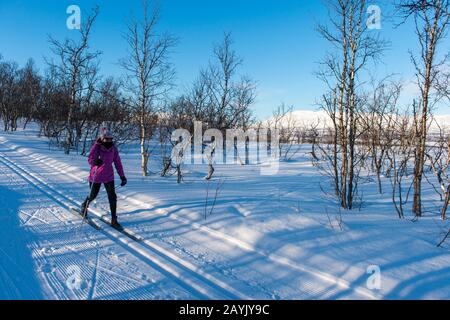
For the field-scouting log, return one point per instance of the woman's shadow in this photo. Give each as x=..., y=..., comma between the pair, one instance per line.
x=17, y=270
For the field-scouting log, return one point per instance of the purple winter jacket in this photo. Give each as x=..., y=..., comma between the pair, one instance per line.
x=105, y=173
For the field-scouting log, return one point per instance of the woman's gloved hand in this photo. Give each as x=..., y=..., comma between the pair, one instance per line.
x=98, y=162
x=124, y=181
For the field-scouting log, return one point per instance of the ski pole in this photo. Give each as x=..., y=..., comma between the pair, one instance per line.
x=89, y=199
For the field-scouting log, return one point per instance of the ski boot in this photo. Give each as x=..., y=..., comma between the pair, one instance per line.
x=115, y=224
x=84, y=208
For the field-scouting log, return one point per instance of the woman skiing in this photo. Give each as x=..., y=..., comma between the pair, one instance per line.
x=101, y=158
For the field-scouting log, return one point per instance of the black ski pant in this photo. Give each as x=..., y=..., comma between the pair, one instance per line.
x=112, y=197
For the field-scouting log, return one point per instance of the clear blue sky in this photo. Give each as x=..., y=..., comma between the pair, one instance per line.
x=276, y=39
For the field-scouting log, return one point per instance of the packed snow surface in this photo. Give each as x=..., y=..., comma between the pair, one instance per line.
x=266, y=237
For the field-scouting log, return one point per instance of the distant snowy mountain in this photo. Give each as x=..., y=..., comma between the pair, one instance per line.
x=443, y=121
x=307, y=118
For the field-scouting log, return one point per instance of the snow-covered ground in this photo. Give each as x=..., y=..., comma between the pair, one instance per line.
x=268, y=237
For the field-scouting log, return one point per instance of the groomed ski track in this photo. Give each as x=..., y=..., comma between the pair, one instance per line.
x=192, y=277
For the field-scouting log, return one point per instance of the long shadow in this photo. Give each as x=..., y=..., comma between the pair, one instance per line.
x=17, y=273
x=418, y=286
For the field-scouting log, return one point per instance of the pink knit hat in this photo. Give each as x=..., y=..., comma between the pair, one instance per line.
x=105, y=133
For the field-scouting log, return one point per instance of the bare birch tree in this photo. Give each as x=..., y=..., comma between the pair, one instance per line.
x=355, y=47
x=149, y=73
x=220, y=97
x=431, y=19
x=283, y=119
x=74, y=66
x=378, y=123
x=399, y=154
x=439, y=158
x=9, y=93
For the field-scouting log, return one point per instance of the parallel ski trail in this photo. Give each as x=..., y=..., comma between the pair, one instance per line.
x=49, y=266
x=184, y=273
x=248, y=247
